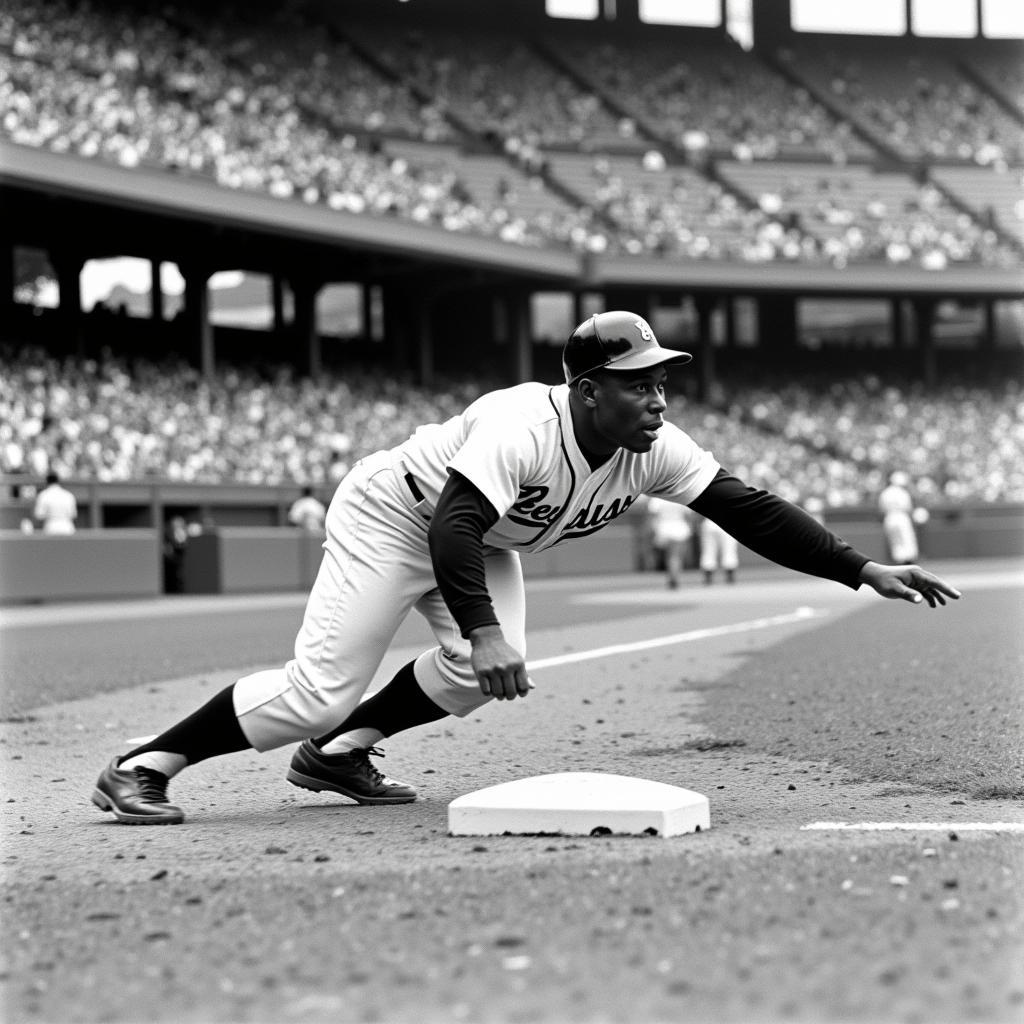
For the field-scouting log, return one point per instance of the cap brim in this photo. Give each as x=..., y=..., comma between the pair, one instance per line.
x=652, y=357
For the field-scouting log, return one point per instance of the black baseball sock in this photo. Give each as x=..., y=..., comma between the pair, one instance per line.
x=208, y=732
x=402, y=704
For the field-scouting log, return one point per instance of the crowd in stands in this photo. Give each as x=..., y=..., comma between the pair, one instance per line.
x=263, y=110
x=715, y=98
x=850, y=214
x=958, y=443
x=110, y=420
x=920, y=105
x=304, y=111
x=501, y=87
x=835, y=441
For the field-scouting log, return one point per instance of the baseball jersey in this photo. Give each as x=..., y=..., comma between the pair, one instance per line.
x=308, y=513
x=518, y=448
x=895, y=499
x=56, y=507
x=668, y=521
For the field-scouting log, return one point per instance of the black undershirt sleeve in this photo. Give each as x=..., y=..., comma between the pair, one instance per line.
x=779, y=530
x=462, y=517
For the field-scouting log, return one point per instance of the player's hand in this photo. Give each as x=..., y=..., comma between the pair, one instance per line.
x=499, y=667
x=907, y=583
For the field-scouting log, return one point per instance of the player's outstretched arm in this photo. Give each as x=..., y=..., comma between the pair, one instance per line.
x=907, y=583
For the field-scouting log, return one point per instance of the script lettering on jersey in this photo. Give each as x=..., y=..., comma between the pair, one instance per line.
x=590, y=520
x=531, y=509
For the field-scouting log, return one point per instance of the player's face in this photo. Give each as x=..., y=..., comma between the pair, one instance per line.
x=628, y=409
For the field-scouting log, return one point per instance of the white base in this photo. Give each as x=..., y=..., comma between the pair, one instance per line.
x=579, y=804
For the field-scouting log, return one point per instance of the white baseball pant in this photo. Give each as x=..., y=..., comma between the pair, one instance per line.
x=900, y=536
x=717, y=548
x=376, y=569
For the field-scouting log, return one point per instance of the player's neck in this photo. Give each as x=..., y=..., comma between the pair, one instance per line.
x=592, y=447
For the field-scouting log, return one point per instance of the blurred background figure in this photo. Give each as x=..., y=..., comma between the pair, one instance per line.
x=815, y=508
x=897, y=506
x=175, y=539
x=718, y=550
x=308, y=512
x=670, y=531
x=55, y=509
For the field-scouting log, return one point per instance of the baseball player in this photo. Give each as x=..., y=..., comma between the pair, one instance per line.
x=717, y=548
x=438, y=524
x=670, y=530
x=897, y=507
x=308, y=512
x=55, y=508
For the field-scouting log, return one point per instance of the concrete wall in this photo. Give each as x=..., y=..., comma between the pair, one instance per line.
x=89, y=564
x=240, y=559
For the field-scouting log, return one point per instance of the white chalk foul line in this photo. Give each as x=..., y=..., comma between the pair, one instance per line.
x=642, y=645
x=914, y=826
x=676, y=638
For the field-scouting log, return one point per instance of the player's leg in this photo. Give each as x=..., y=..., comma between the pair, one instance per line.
x=674, y=562
x=339, y=760
x=366, y=585
x=440, y=682
x=730, y=551
x=902, y=539
x=708, y=554
x=445, y=674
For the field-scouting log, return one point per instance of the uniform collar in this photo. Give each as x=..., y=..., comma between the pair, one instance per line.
x=578, y=461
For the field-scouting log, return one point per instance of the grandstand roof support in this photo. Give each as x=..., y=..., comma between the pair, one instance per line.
x=197, y=315
x=705, y=305
x=424, y=341
x=924, y=316
x=68, y=264
x=307, y=337
x=729, y=305
x=988, y=331
x=156, y=292
x=277, y=301
x=518, y=313
x=897, y=323
x=776, y=322
x=6, y=280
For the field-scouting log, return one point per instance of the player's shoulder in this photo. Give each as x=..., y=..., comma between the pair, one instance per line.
x=529, y=404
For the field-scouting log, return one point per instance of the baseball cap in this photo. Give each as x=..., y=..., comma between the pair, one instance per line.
x=616, y=340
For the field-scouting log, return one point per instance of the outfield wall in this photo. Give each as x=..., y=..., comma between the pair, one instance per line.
x=117, y=563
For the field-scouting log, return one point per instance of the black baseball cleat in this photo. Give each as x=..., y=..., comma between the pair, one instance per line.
x=353, y=775
x=135, y=797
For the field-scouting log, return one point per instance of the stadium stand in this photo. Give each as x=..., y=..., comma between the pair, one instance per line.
x=998, y=195
x=695, y=151
x=836, y=440
x=712, y=96
x=560, y=143
x=857, y=212
x=499, y=87
x=920, y=105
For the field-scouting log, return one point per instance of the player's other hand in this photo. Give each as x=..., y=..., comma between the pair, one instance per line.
x=907, y=583
x=499, y=667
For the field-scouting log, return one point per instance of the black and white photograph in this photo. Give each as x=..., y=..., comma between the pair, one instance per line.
x=512, y=512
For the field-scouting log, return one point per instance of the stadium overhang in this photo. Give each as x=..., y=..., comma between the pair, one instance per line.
x=191, y=200
x=104, y=210
x=859, y=279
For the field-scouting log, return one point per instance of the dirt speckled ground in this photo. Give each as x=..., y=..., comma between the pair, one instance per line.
x=275, y=904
